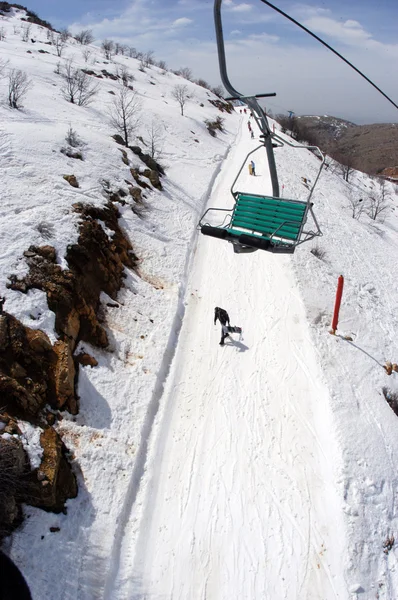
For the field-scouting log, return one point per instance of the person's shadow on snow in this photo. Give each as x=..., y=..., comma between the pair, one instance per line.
x=241, y=347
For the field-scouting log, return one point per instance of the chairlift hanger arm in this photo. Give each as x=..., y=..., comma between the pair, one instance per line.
x=251, y=101
x=256, y=96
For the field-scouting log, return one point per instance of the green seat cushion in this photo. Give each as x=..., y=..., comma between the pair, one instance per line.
x=266, y=215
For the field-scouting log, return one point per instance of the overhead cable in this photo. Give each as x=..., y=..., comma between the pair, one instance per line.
x=329, y=48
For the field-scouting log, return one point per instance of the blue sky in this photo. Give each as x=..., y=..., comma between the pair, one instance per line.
x=265, y=52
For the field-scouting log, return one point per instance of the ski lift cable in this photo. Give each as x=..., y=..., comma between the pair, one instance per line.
x=329, y=48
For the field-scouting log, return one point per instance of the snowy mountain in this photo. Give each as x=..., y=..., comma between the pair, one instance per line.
x=263, y=469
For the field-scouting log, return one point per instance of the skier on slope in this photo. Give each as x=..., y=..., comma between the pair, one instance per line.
x=221, y=315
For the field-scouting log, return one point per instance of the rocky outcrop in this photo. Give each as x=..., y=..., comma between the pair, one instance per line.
x=53, y=482
x=96, y=264
x=27, y=369
x=35, y=373
x=150, y=162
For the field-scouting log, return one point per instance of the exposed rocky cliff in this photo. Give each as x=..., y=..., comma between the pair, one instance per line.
x=38, y=379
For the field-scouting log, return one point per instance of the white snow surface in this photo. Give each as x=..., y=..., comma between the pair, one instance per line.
x=31, y=442
x=265, y=469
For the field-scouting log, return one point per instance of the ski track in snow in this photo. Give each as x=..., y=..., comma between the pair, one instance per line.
x=237, y=496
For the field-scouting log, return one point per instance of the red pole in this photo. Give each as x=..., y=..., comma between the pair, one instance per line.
x=339, y=293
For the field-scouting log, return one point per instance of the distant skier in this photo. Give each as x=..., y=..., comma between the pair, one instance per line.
x=252, y=133
x=253, y=167
x=249, y=126
x=221, y=315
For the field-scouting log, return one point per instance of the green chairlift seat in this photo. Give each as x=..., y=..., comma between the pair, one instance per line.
x=263, y=223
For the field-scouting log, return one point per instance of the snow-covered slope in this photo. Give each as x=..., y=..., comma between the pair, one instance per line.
x=264, y=469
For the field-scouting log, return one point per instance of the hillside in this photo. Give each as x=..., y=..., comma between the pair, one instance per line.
x=263, y=469
x=372, y=148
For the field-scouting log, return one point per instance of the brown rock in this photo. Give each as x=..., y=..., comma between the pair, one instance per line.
x=11, y=426
x=124, y=156
x=13, y=463
x=118, y=139
x=38, y=341
x=17, y=371
x=71, y=179
x=71, y=327
x=50, y=418
x=153, y=177
x=4, y=339
x=18, y=400
x=136, y=193
x=47, y=252
x=55, y=473
x=86, y=360
x=64, y=374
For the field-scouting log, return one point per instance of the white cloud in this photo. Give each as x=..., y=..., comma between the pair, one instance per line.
x=241, y=8
x=236, y=32
x=350, y=32
x=182, y=22
x=264, y=37
x=234, y=7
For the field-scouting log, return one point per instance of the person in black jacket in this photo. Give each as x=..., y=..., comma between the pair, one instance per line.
x=221, y=315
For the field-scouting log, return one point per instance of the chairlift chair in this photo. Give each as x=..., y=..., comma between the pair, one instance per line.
x=257, y=222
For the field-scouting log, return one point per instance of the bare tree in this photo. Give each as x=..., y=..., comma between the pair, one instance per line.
x=108, y=48
x=180, y=93
x=379, y=201
x=162, y=65
x=59, y=45
x=357, y=205
x=72, y=138
x=132, y=52
x=345, y=165
x=86, y=54
x=218, y=91
x=155, y=139
x=78, y=87
x=18, y=85
x=186, y=73
x=3, y=65
x=287, y=123
x=65, y=34
x=142, y=60
x=149, y=58
x=26, y=29
x=2, y=34
x=125, y=113
x=85, y=37
x=203, y=84
x=120, y=48
x=123, y=73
